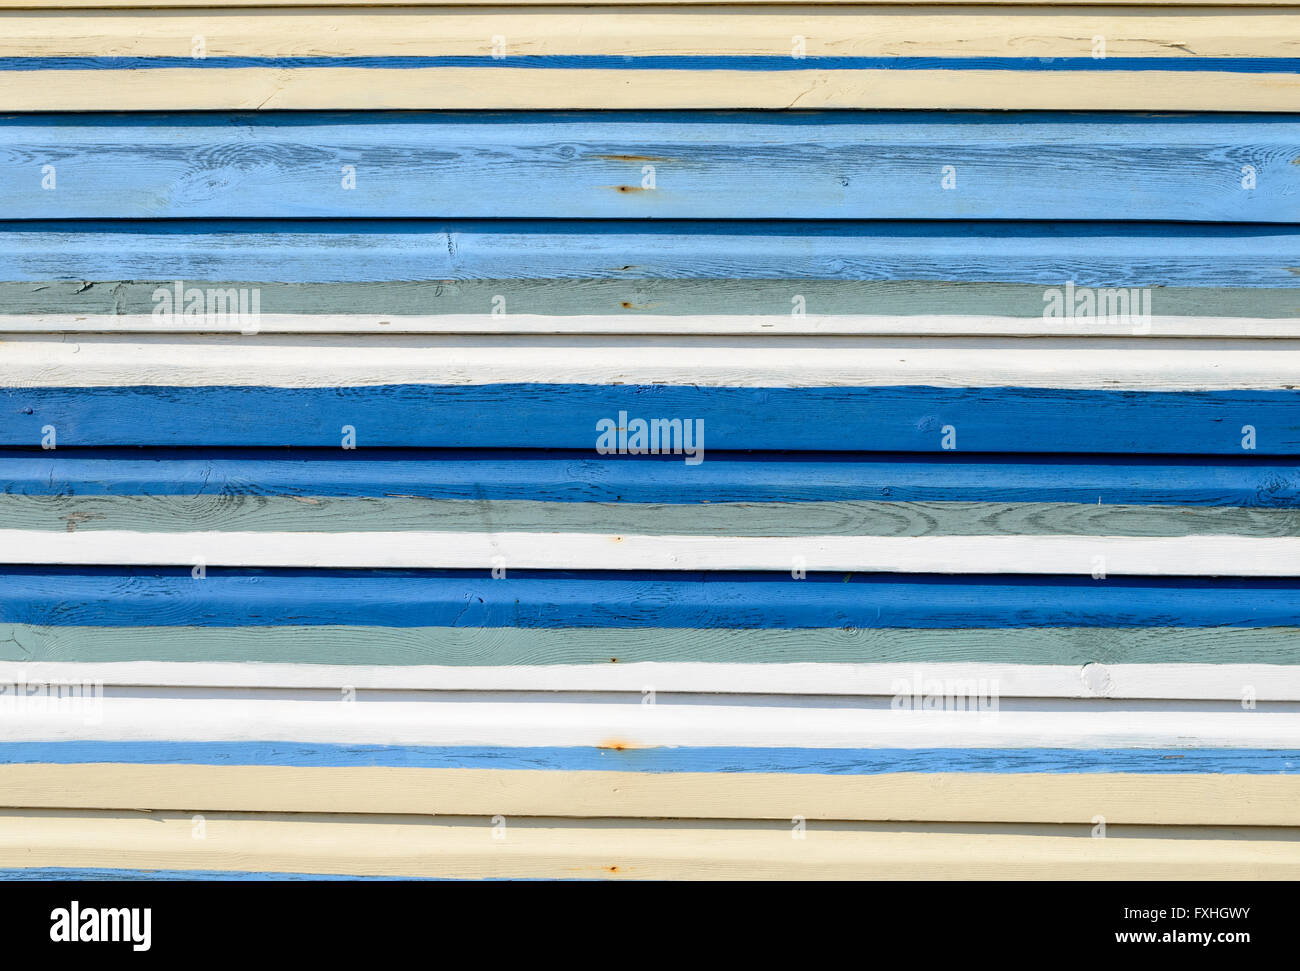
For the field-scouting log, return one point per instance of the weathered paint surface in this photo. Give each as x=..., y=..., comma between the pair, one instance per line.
x=351, y=576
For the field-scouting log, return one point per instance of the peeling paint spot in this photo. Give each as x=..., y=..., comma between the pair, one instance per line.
x=619, y=745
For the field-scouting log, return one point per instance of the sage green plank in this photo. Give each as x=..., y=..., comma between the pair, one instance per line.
x=636, y=297
x=499, y=646
x=253, y=513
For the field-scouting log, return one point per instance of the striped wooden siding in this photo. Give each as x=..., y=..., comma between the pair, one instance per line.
x=1158, y=57
x=946, y=584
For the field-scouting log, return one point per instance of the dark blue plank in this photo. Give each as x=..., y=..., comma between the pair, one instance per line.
x=909, y=419
x=133, y=597
x=579, y=476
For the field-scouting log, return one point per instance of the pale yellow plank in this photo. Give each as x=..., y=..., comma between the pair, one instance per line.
x=507, y=88
x=468, y=847
x=1183, y=800
x=505, y=31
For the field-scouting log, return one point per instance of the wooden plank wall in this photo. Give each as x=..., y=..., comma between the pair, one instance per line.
x=495, y=441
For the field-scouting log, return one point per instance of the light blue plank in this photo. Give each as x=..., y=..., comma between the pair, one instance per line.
x=714, y=165
x=801, y=761
x=295, y=251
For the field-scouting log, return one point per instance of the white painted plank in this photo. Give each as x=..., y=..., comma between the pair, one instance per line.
x=1191, y=681
x=1065, y=555
x=633, y=724
x=299, y=362
x=864, y=325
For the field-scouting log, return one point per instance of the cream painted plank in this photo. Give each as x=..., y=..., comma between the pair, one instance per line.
x=1168, y=800
x=1188, y=680
x=301, y=361
x=848, y=31
x=652, y=849
x=340, y=89
x=632, y=724
x=1062, y=555
x=854, y=325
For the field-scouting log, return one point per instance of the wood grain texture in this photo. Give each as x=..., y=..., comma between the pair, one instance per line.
x=305, y=513
x=579, y=477
x=606, y=849
x=560, y=416
x=616, y=756
x=1062, y=662
x=507, y=88
x=125, y=596
x=697, y=166
x=1184, y=800
x=1094, y=254
x=636, y=306
x=869, y=31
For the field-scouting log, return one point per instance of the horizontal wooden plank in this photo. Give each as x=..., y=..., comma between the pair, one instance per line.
x=644, y=305
x=1030, y=33
x=619, y=165
x=1057, y=555
x=303, y=513
x=1180, y=800
x=1229, y=328
x=793, y=733
x=617, y=755
x=364, y=659
x=308, y=361
x=33, y=841
x=571, y=477
x=1102, y=255
x=565, y=416
x=1060, y=662
x=104, y=597
x=1239, y=87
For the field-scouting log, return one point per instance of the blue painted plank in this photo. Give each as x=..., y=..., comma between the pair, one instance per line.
x=155, y=596
x=1101, y=254
x=665, y=62
x=800, y=761
x=580, y=476
x=706, y=165
x=909, y=419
